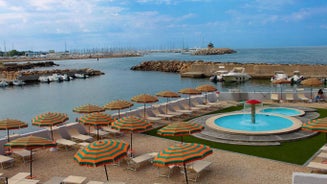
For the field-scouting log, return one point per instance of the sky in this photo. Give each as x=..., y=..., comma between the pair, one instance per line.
x=43, y=25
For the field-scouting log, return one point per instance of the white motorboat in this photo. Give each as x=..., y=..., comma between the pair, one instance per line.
x=279, y=75
x=44, y=79
x=18, y=82
x=3, y=83
x=218, y=75
x=237, y=74
x=296, y=78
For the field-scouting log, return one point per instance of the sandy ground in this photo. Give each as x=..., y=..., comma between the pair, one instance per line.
x=227, y=167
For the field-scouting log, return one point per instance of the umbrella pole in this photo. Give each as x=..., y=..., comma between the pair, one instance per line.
x=31, y=163
x=189, y=102
x=144, y=111
x=8, y=135
x=132, y=144
x=51, y=133
x=182, y=140
x=185, y=172
x=97, y=133
x=118, y=113
x=105, y=169
x=166, y=106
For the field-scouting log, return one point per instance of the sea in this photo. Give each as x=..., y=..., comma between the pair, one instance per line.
x=119, y=82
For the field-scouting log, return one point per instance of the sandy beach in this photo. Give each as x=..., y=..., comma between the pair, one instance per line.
x=227, y=167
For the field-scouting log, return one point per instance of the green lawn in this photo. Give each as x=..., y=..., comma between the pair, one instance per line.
x=297, y=152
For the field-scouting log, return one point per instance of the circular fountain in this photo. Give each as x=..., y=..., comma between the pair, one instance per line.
x=241, y=123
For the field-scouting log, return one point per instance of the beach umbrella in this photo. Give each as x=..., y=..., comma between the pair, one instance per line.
x=118, y=105
x=131, y=124
x=29, y=143
x=181, y=154
x=180, y=129
x=168, y=95
x=102, y=152
x=281, y=82
x=189, y=92
x=311, y=82
x=206, y=88
x=253, y=102
x=144, y=98
x=10, y=124
x=88, y=108
x=49, y=119
x=96, y=119
x=319, y=125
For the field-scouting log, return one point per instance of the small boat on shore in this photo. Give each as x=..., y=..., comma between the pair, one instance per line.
x=3, y=83
x=237, y=74
x=296, y=78
x=278, y=75
x=18, y=82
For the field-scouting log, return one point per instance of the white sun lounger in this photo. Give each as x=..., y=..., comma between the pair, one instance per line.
x=6, y=161
x=74, y=179
x=306, y=178
x=197, y=168
x=317, y=165
x=54, y=179
x=110, y=182
x=75, y=135
x=112, y=132
x=301, y=95
x=66, y=143
x=166, y=171
x=23, y=154
x=274, y=97
x=137, y=162
x=289, y=97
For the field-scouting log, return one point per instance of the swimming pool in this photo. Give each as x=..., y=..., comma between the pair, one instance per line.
x=240, y=123
x=282, y=111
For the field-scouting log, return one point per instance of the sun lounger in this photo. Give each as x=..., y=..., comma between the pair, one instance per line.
x=23, y=154
x=322, y=155
x=197, y=168
x=55, y=179
x=76, y=136
x=274, y=97
x=289, y=97
x=74, y=179
x=6, y=161
x=102, y=134
x=137, y=162
x=306, y=178
x=166, y=171
x=20, y=178
x=301, y=96
x=317, y=165
x=157, y=113
x=113, y=132
x=65, y=143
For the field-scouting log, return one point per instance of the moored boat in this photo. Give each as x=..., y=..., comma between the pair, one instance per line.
x=237, y=74
x=278, y=75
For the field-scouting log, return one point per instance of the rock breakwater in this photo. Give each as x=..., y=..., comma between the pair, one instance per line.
x=256, y=70
x=214, y=51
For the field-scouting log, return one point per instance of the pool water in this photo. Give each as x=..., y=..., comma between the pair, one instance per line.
x=282, y=111
x=263, y=122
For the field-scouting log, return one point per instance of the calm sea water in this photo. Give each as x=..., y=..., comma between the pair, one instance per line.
x=119, y=82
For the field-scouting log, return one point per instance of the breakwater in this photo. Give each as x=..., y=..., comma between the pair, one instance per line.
x=206, y=69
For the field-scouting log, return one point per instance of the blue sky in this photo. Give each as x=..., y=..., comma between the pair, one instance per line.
x=161, y=24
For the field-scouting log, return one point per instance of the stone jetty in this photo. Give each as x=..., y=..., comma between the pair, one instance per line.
x=214, y=51
x=206, y=69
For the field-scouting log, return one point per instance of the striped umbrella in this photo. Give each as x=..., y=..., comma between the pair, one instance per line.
x=181, y=154
x=131, y=124
x=49, y=119
x=189, y=92
x=88, y=108
x=206, y=88
x=168, y=94
x=96, y=119
x=319, y=125
x=180, y=129
x=118, y=105
x=144, y=98
x=102, y=152
x=30, y=142
x=10, y=124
